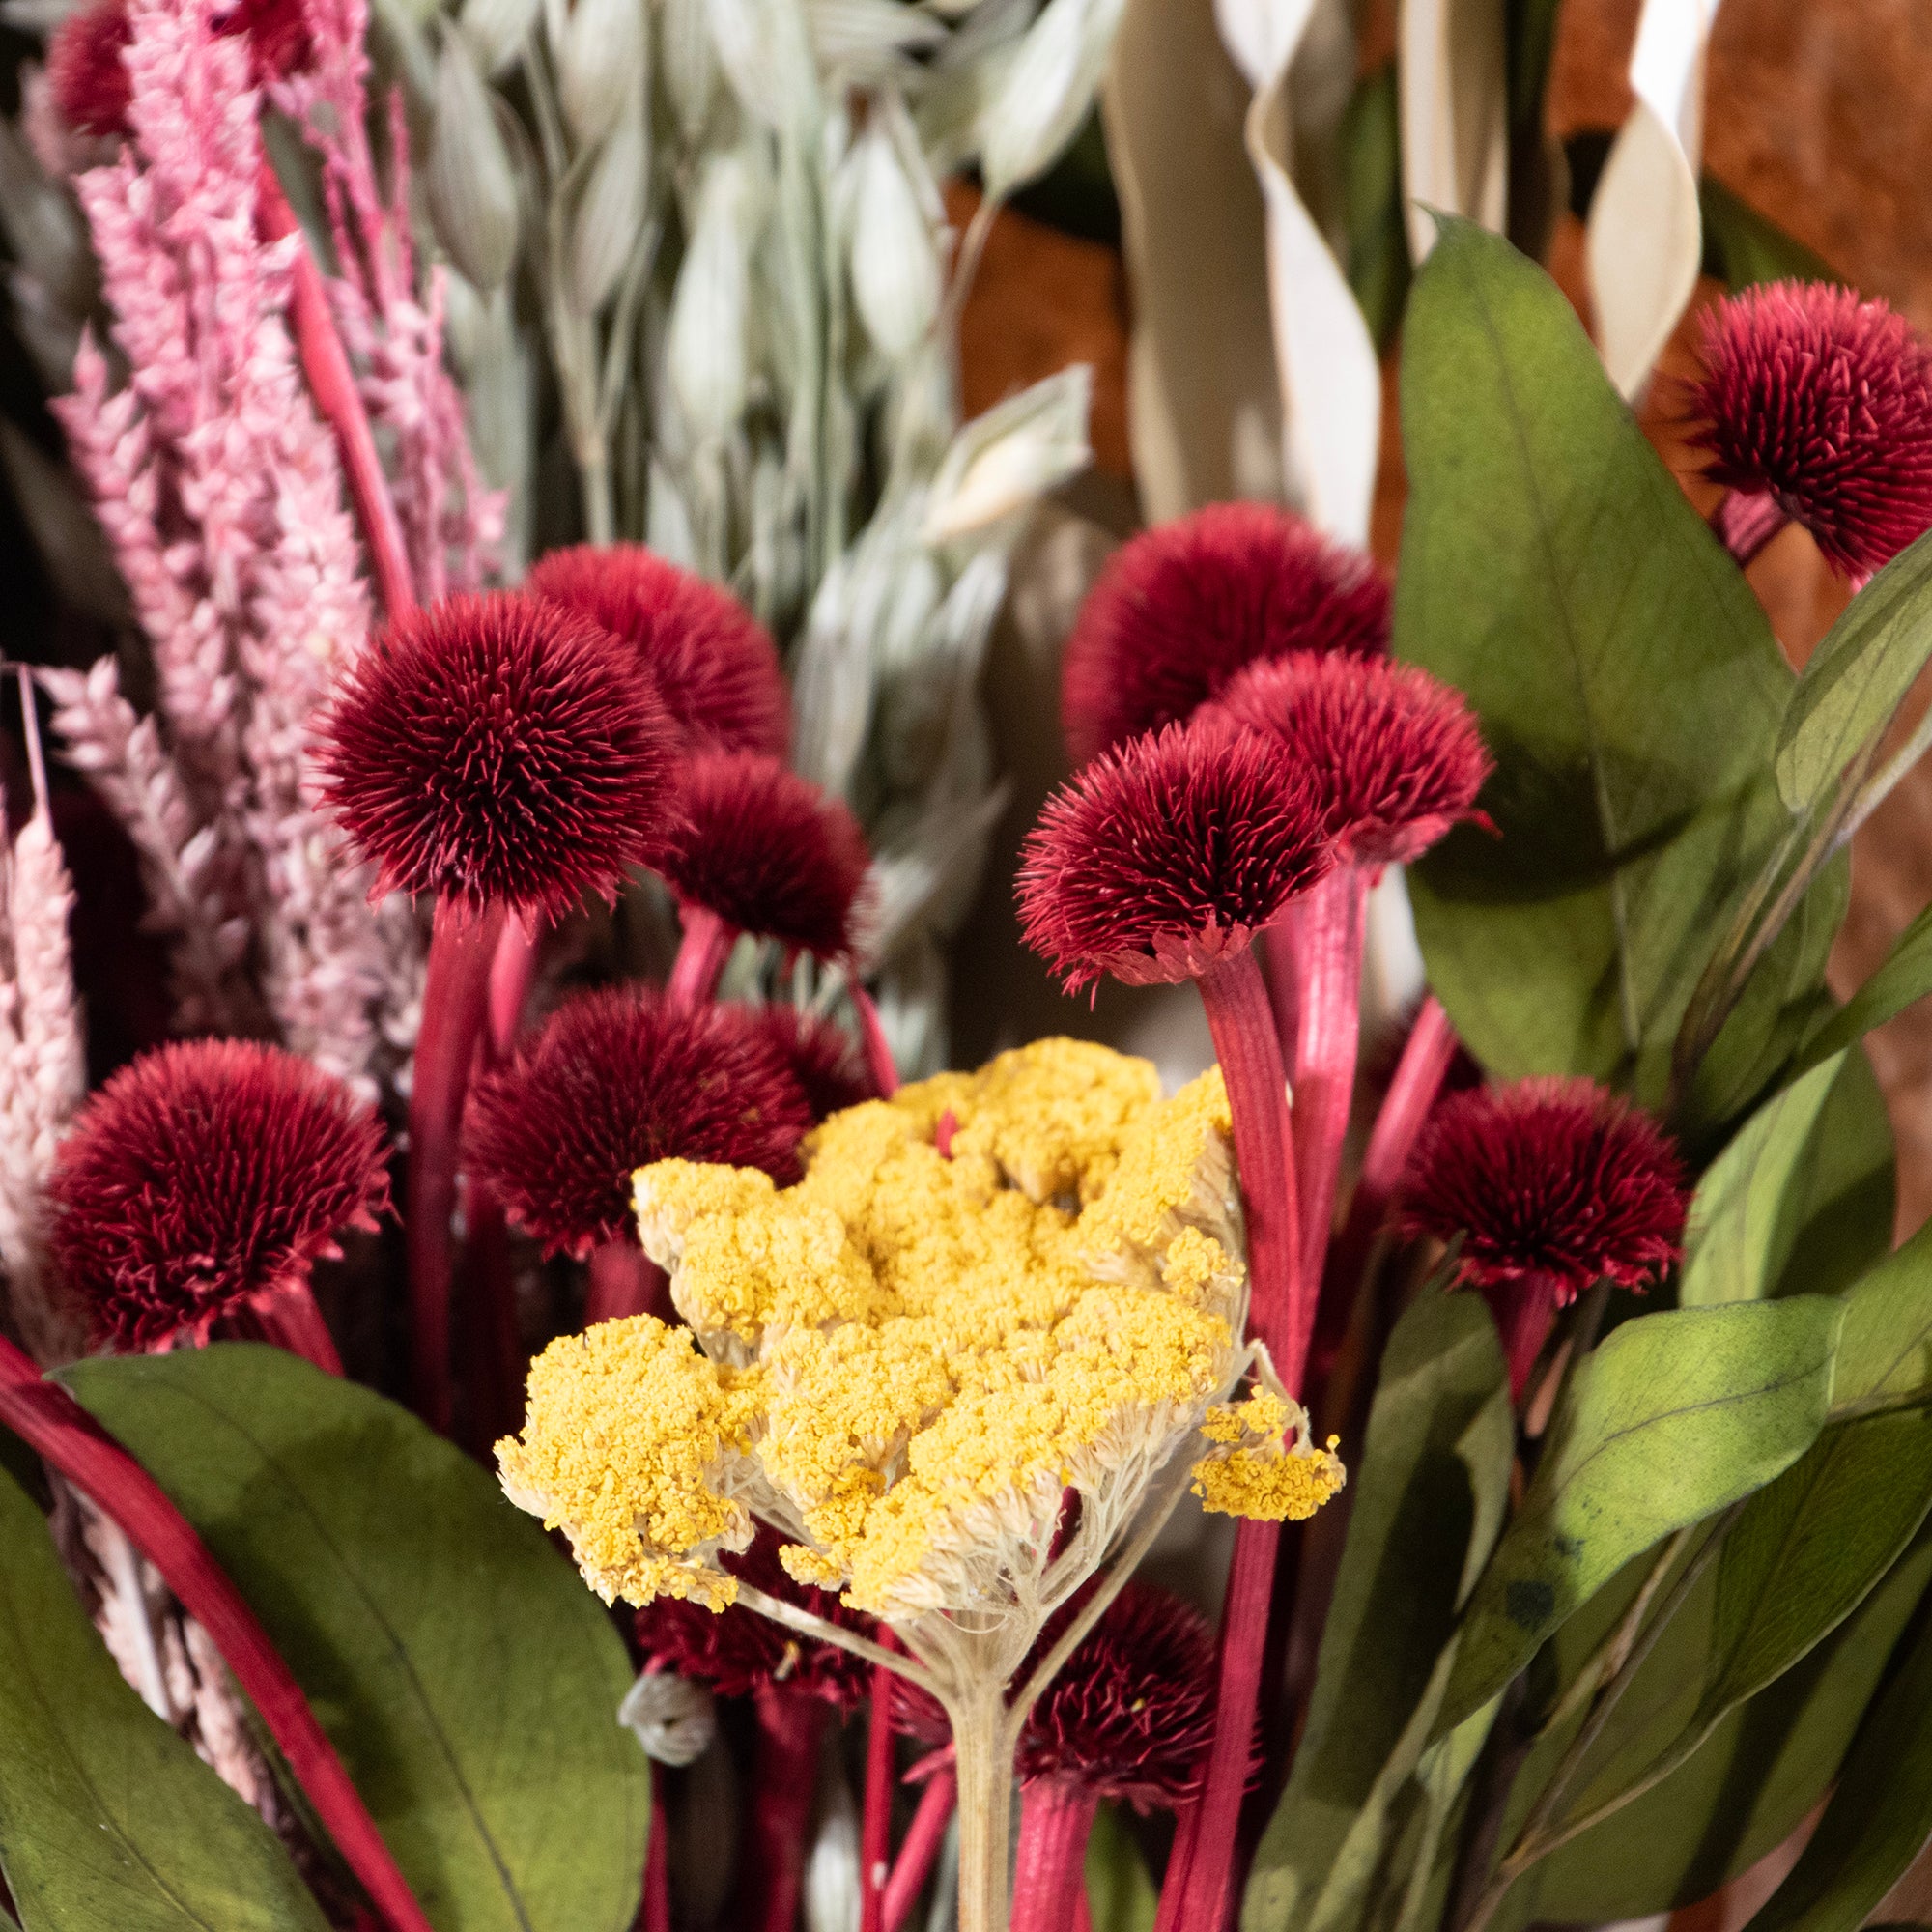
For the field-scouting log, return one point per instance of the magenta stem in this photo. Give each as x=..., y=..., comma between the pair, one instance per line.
x=289, y=1319
x=654, y=1910
x=455, y=1000
x=1526, y=1312
x=875, y=1820
x=68, y=1439
x=701, y=954
x=513, y=971
x=624, y=1280
x=331, y=385
x=1050, y=1869
x=879, y=1065
x=919, y=1851
x=1744, y=524
x=1327, y=1037
x=1282, y=946
x=785, y=1774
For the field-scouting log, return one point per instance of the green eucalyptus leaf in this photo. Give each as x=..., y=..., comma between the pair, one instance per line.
x=1842, y=1199
x=1879, y=1818
x=1855, y=680
x=1626, y=682
x=1742, y=247
x=1120, y=1897
x=1732, y=1239
x=1428, y=1497
x=1675, y=1416
x=1884, y=1352
x=108, y=1819
x=1746, y=1788
x=1903, y=978
x=1369, y=147
x=468, y=1679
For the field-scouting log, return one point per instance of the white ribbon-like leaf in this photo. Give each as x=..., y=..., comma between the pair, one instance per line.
x=1455, y=113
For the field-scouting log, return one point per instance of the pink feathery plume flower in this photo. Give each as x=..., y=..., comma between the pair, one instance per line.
x=1162, y=862
x=716, y=667
x=755, y=848
x=616, y=1079
x=1182, y=607
x=511, y=759
x=1816, y=406
x=1554, y=1186
x=1397, y=759
x=200, y=1185
x=797, y=1687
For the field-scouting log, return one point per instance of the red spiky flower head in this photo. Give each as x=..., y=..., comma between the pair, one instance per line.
x=1131, y=1714
x=821, y=1056
x=1182, y=607
x=1553, y=1184
x=497, y=748
x=88, y=75
x=205, y=1178
x=1395, y=754
x=616, y=1079
x=1825, y=401
x=1169, y=853
x=737, y=1652
x=766, y=852
x=716, y=667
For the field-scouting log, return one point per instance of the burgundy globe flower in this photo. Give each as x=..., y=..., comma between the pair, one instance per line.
x=500, y=750
x=1554, y=1186
x=1182, y=607
x=202, y=1183
x=755, y=848
x=1816, y=406
x=821, y=1056
x=616, y=1079
x=715, y=666
x=1395, y=754
x=1168, y=855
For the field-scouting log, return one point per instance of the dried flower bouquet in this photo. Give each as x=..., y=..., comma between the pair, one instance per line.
x=1568, y=1393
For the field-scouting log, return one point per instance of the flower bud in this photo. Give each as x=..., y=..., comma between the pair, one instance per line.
x=689, y=67
x=766, y=54
x=496, y=30
x=610, y=212
x=471, y=185
x=893, y=261
x=1044, y=94
x=601, y=65
x=705, y=348
x=1009, y=458
x=673, y=1717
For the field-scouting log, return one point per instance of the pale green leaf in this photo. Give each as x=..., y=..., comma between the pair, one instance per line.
x=1903, y=978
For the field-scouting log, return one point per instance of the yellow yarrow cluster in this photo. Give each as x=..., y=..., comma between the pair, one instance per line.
x=1262, y=1463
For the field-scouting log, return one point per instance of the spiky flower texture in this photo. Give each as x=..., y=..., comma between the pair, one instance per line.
x=205, y=1178
x=1393, y=755
x=1825, y=401
x=1168, y=854
x=614, y=1080
x=495, y=750
x=714, y=663
x=1182, y=607
x=820, y=1054
x=766, y=852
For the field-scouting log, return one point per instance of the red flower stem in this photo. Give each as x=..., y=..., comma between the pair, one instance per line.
x=785, y=1773
x=876, y=1818
x=291, y=1320
x=1327, y=1036
x=878, y=1051
x=1200, y=1883
x=1526, y=1312
x=1282, y=946
x=1744, y=524
x=1406, y=1108
x=701, y=954
x=624, y=1280
x=513, y=970
x=49, y=1421
x=456, y=993
x=919, y=1851
x=1050, y=1870
x=654, y=1911
x=331, y=384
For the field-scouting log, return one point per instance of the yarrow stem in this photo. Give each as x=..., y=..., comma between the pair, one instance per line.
x=919, y=1851
x=702, y=955
x=456, y=992
x=795, y=1617
x=983, y=1740
x=1050, y=1868
x=51, y=1422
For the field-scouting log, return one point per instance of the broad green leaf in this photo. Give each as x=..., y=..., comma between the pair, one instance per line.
x=1742, y=247
x=1428, y=1498
x=1879, y=1818
x=1626, y=679
x=1370, y=152
x=1854, y=681
x=1119, y=1894
x=1844, y=1190
x=1732, y=1239
x=1676, y=1415
x=1884, y=1352
x=1746, y=1788
x=107, y=1819
x=468, y=1679
x=1904, y=976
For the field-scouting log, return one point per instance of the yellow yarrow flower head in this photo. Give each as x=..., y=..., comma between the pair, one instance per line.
x=1263, y=1462
x=910, y=1356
